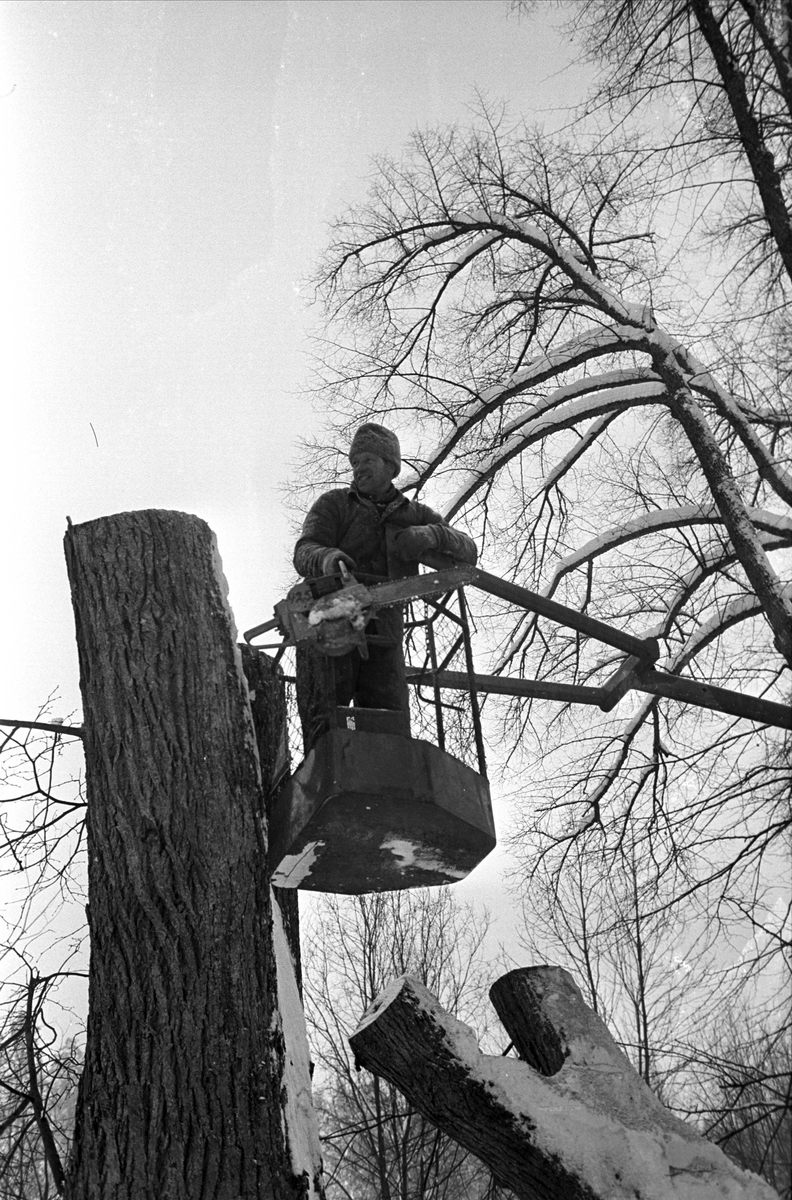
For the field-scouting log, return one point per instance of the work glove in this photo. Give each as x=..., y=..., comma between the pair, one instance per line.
x=414, y=541
x=331, y=560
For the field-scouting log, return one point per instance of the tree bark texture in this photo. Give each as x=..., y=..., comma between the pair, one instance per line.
x=185, y=1079
x=586, y=1129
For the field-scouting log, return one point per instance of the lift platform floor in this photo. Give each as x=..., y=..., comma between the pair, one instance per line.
x=373, y=812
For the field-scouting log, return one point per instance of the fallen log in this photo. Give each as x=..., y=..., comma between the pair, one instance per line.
x=586, y=1128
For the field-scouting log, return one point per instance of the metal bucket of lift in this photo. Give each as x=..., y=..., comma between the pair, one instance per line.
x=374, y=812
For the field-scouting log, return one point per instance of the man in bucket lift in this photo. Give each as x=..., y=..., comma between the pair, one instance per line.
x=350, y=526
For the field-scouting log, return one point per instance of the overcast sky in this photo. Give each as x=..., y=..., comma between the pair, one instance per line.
x=170, y=169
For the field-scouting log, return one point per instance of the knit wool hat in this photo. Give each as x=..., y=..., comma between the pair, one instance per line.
x=376, y=439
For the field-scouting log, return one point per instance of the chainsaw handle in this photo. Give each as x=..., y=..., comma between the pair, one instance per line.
x=257, y=630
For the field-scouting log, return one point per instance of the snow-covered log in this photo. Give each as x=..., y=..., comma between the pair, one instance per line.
x=574, y=1120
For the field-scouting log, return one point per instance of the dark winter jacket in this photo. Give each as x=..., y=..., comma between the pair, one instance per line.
x=345, y=520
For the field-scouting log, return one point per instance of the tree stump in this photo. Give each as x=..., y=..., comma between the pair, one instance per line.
x=191, y=1088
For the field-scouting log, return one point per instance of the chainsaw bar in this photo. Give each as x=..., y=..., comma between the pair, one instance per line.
x=336, y=620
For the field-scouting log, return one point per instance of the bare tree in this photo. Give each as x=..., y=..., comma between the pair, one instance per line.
x=38, y=1090
x=42, y=810
x=722, y=71
x=634, y=491
x=742, y=1095
x=42, y=949
x=533, y=316
x=646, y=973
x=375, y=1144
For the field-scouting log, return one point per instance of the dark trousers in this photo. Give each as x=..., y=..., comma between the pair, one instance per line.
x=380, y=681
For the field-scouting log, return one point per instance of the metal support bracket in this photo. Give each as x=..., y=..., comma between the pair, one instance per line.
x=293, y=619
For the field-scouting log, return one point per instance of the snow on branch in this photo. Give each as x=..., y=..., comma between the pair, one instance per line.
x=586, y=441
x=532, y=428
x=475, y=248
x=616, y=385
x=665, y=518
x=775, y=533
x=442, y=234
x=738, y=608
x=637, y=316
x=595, y=342
x=569, y=1118
x=701, y=381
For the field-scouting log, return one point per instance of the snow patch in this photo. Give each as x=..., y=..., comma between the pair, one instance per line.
x=228, y=617
x=616, y=1136
x=475, y=248
x=660, y=520
x=410, y=854
x=477, y=216
x=630, y=392
x=339, y=607
x=386, y=996
x=538, y=427
x=441, y=234
x=294, y=868
x=301, y=1130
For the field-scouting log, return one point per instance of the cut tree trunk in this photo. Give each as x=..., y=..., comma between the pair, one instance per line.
x=192, y=1088
x=586, y=1128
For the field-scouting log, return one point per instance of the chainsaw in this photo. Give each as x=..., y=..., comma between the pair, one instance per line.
x=331, y=613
